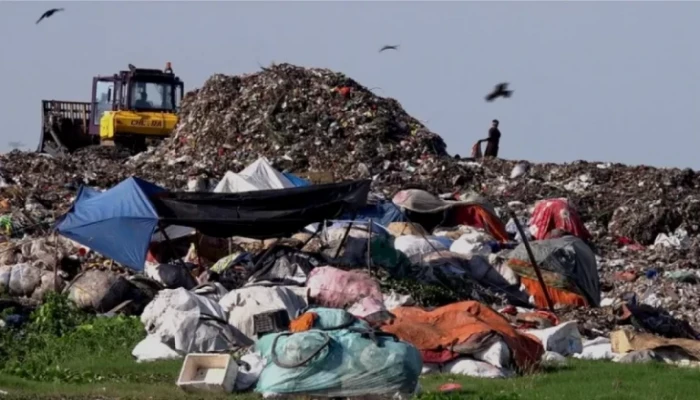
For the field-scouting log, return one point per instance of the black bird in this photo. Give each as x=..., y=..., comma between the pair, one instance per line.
x=49, y=14
x=501, y=90
x=389, y=47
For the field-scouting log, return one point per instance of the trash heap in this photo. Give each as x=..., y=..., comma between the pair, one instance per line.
x=302, y=120
x=643, y=222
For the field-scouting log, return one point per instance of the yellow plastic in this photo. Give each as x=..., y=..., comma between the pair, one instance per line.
x=155, y=124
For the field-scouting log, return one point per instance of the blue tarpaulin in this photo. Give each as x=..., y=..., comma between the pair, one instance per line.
x=383, y=213
x=296, y=181
x=117, y=223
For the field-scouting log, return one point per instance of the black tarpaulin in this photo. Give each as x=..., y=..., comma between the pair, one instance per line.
x=260, y=214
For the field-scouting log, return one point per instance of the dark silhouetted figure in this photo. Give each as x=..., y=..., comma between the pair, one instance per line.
x=492, y=141
x=48, y=14
x=501, y=90
x=389, y=47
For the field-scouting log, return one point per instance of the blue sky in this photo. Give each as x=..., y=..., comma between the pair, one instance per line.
x=613, y=81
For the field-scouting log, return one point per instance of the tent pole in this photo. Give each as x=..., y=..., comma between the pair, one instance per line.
x=313, y=235
x=169, y=242
x=532, y=260
x=57, y=262
x=345, y=236
x=369, y=248
x=196, y=248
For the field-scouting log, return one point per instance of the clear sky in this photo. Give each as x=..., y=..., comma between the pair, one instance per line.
x=614, y=81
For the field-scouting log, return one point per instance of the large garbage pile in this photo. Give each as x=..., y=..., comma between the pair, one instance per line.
x=302, y=119
x=643, y=220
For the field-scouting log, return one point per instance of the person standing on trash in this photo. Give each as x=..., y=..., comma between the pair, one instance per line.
x=492, y=141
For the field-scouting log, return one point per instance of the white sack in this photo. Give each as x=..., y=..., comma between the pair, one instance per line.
x=242, y=304
x=497, y=354
x=189, y=323
x=412, y=245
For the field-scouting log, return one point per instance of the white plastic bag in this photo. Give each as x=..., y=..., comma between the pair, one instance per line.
x=412, y=245
x=564, y=339
x=472, y=243
x=152, y=349
x=24, y=279
x=497, y=354
x=596, y=349
x=474, y=368
x=552, y=359
x=249, y=371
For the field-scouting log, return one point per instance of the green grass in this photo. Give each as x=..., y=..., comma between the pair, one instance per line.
x=587, y=380
x=583, y=380
x=63, y=354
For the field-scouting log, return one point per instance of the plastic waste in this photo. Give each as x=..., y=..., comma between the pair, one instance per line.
x=564, y=339
x=152, y=349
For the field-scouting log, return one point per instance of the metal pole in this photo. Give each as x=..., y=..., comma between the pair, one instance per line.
x=369, y=248
x=532, y=260
x=56, y=264
x=345, y=236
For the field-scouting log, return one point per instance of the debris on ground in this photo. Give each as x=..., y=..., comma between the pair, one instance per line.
x=617, y=246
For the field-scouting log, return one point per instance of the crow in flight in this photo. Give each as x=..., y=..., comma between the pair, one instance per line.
x=389, y=47
x=501, y=90
x=49, y=13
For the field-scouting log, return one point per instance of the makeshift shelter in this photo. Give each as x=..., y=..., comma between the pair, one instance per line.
x=120, y=222
x=559, y=214
x=431, y=211
x=259, y=175
x=569, y=270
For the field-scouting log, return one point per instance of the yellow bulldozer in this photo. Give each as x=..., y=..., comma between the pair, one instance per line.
x=130, y=109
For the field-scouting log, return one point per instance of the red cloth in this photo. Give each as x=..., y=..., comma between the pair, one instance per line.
x=476, y=150
x=478, y=217
x=557, y=214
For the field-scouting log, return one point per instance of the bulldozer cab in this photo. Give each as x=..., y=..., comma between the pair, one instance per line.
x=138, y=90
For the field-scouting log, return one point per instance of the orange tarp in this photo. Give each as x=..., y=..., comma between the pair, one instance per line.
x=558, y=296
x=478, y=217
x=461, y=323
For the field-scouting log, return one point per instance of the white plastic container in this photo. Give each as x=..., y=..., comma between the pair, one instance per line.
x=208, y=372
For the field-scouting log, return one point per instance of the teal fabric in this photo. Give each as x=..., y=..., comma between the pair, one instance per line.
x=344, y=362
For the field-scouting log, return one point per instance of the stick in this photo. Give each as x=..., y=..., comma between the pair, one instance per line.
x=532, y=260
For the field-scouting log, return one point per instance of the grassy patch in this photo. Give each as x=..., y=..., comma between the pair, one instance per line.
x=580, y=380
x=65, y=354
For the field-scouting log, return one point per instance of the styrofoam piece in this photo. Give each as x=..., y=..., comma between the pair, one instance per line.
x=208, y=372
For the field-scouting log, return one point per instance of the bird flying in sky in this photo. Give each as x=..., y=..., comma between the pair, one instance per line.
x=389, y=47
x=501, y=90
x=49, y=13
